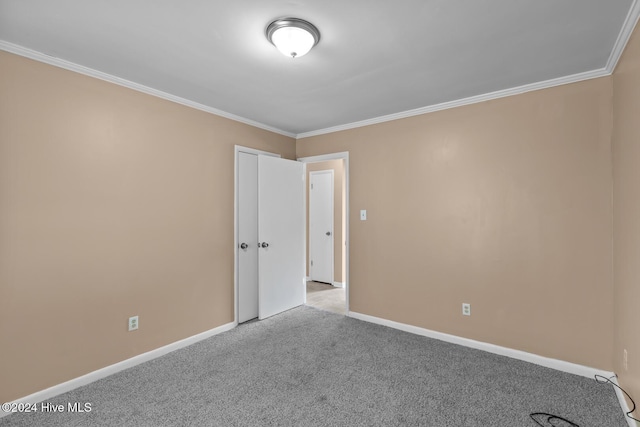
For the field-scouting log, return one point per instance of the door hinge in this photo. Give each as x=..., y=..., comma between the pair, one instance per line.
x=312, y=186
x=311, y=263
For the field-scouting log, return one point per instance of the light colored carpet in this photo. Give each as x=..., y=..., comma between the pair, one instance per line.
x=308, y=367
x=326, y=297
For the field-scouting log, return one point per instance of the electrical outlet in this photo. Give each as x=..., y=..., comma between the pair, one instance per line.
x=466, y=309
x=133, y=323
x=625, y=359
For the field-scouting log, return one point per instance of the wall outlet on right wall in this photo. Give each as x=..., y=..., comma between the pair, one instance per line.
x=466, y=309
x=133, y=323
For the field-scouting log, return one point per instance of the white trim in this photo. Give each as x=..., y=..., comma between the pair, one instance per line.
x=618, y=48
x=556, y=364
x=83, y=380
x=622, y=401
x=324, y=157
x=305, y=243
x=117, y=367
x=559, y=365
x=336, y=156
x=624, y=36
x=461, y=102
x=338, y=284
x=67, y=65
x=239, y=149
x=630, y=23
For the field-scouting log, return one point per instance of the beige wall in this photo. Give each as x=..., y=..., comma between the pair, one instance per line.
x=626, y=208
x=337, y=166
x=113, y=204
x=504, y=204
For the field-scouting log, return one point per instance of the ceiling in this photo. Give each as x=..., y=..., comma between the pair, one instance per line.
x=376, y=60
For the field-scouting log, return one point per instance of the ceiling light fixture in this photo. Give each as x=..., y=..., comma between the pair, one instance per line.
x=292, y=36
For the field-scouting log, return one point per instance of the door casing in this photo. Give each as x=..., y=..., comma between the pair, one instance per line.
x=335, y=156
x=311, y=159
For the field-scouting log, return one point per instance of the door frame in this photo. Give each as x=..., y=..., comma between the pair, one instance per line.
x=336, y=156
x=329, y=172
x=239, y=149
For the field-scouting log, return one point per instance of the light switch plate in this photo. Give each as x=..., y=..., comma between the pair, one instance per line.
x=363, y=215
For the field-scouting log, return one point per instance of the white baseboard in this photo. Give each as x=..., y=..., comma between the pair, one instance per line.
x=623, y=402
x=559, y=365
x=117, y=367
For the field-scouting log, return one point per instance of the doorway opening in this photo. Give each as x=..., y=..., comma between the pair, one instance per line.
x=327, y=258
x=336, y=286
x=326, y=297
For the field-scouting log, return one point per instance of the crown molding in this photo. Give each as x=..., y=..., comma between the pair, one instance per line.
x=71, y=66
x=618, y=48
x=461, y=102
x=624, y=36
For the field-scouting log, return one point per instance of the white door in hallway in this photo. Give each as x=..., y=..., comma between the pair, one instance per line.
x=281, y=221
x=321, y=226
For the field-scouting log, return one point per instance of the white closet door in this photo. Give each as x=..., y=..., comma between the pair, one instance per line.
x=281, y=234
x=247, y=236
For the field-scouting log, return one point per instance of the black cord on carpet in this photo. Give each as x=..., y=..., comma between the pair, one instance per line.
x=549, y=420
x=608, y=380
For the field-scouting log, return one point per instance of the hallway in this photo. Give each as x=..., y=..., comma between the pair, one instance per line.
x=326, y=297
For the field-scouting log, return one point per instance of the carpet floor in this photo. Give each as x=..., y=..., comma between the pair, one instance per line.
x=309, y=367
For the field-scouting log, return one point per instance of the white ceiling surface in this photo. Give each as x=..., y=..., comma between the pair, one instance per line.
x=374, y=59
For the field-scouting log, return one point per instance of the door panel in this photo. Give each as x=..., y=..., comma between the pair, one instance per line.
x=321, y=226
x=247, y=234
x=280, y=226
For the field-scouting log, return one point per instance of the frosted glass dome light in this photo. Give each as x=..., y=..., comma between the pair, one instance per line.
x=292, y=36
